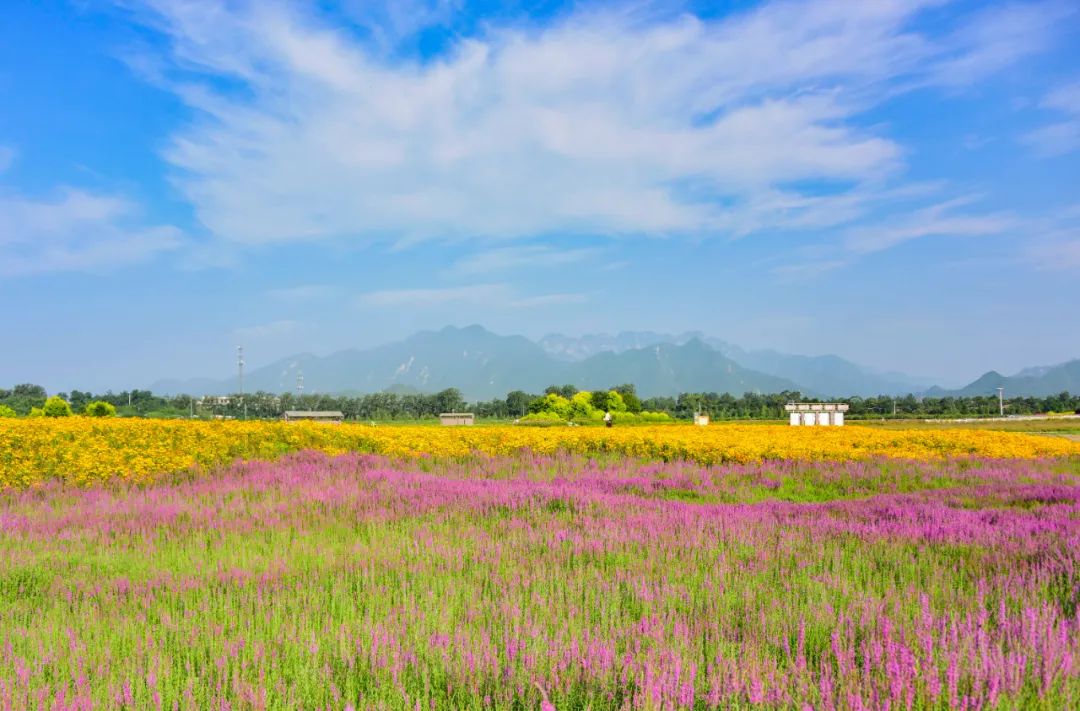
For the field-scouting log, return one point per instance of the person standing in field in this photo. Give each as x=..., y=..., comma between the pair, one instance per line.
x=608, y=420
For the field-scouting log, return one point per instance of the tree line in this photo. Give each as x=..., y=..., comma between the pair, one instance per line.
x=22, y=399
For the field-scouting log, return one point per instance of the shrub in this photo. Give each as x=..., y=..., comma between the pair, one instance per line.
x=542, y=419
x=101, y=408
x=581, y=407
x=56, y=406
x=609, y=401
x=551, y=403
x=6, y=411
x=36, y=412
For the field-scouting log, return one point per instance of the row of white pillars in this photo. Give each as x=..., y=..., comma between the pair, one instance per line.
x=821, y=419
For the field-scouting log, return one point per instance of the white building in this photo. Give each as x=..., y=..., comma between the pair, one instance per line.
x=816, y=413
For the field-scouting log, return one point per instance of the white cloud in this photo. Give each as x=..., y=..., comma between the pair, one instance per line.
x=76, y=231
x=1060, y=137
x=491, y=297
x=603, y=123
x=503, y=259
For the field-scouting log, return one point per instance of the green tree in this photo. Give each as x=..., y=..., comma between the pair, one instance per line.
x=629, y=396
x=6, y=411
x=101, y=408
x=449, y=400
x=581, y=407
x=609, y=401
x=517, y=402
x=56, y=406
x=28, y=390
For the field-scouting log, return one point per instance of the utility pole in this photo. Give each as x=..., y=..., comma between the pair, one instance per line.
x=240, y=372
x=299, y=385
x=1001, y=401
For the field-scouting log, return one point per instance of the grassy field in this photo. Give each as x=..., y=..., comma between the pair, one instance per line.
x=1041, y=426
x=550, y=582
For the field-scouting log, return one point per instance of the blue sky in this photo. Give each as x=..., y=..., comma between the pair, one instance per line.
x=894, y=182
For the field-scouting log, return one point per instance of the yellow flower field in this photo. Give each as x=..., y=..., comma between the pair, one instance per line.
x=83, y=450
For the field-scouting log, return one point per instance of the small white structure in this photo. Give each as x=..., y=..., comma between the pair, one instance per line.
x=314, y=415
x=700, y=418
x=807, y=414
x=450, y=419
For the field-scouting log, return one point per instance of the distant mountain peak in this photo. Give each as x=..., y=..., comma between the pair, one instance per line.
x=1038, y=381
x=483, y=364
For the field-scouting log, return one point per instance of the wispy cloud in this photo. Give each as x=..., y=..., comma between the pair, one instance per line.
x=7, y=157
x=492, y=297
x=898, y=224
x=998, y=37
x=603, y=123
x=808, y=270
x=1059, y=137
x=1055, y=246
x=529, y=302
x=1059, y=254
x=503, y=259
x=940, y=220
x=266, y=331
x=76, y=231
x=303, y=293
x=421, y=298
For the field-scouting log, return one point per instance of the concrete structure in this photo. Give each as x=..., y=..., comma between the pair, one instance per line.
x=816, y=413
x=456, y=418
x=701, y=419
x=314, y=415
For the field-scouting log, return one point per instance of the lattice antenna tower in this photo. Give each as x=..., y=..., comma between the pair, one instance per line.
x=240, y=369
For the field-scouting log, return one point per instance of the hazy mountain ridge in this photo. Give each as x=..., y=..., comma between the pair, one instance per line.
x=669, y=369
x=484, y=365
x=1040, y=381
x=826, y=374
x=575, y=348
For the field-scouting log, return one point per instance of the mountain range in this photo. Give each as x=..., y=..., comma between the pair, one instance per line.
x=826, y=374
x=1040, y=381
x=484, y=365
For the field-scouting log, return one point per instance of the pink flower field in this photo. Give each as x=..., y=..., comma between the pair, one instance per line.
x=360, y=582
